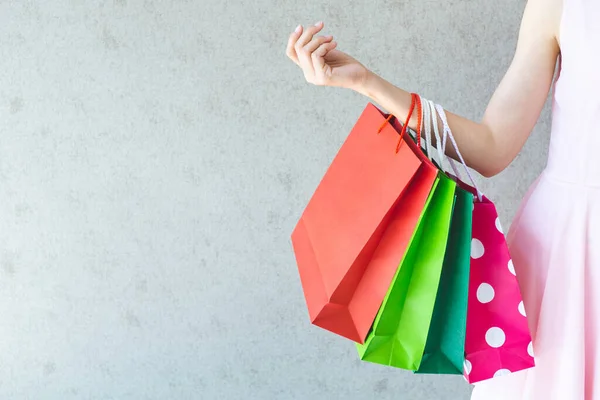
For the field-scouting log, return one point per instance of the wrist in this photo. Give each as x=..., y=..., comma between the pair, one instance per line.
x=369, y=85
x=364, y=84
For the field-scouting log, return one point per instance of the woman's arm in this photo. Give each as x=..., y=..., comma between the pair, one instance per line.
x=490, y=146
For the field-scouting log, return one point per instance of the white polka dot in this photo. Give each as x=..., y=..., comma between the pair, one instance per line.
x=468, y=367
x=485, y=293
x=477, y=249
x=511, y=267
x=495, y=337
x=522, y=309
x=530, y=349
x=501, y=372
x=499, y=225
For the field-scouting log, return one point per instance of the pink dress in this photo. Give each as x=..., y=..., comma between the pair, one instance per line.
x=555, y=237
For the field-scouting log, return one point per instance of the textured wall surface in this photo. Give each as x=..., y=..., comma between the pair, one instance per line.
x=154, y=158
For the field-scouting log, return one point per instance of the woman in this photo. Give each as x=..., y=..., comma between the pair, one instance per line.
x=555, y=237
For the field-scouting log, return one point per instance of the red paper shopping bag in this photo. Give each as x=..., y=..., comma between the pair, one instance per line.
x=498, y=340
x=346, y=254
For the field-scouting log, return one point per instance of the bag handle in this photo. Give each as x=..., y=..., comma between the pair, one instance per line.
x=419, y=118
x=415, y=101
x=427, y=126
x=448, y=133
x=432, y=120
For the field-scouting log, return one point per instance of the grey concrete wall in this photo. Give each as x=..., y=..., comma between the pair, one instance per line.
x=154, y=158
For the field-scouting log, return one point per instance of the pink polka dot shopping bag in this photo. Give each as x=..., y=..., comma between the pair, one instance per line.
x=498, y=340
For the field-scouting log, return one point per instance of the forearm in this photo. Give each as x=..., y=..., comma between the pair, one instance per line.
x=475, y=140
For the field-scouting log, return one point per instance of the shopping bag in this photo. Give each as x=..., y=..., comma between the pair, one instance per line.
x=444, y=351
x=399, y=332
x=367, y=297
x=335, y=242
x=498, y=340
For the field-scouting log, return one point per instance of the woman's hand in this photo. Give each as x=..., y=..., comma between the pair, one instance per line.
x=321, y=63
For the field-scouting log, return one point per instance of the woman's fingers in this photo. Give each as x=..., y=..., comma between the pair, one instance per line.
x=318, y=61
x=315, y=43
x=290, y=50
x=308, y=51
x=303, y=55
x=307, y=35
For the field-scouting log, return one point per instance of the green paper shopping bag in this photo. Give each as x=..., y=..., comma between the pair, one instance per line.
x=399, y=333
x=445, y=348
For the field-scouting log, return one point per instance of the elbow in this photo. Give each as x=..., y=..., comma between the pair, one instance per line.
x=491, y=169
x=489, y=172
x=495, y=161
